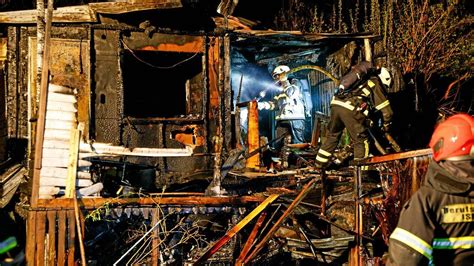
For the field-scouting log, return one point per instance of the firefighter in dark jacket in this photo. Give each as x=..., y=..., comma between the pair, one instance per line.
x=436, y=225
x=361, y=91
x=291, y=111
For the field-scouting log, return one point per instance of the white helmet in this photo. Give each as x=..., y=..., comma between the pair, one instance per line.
x=385, y=77
x=280, y=70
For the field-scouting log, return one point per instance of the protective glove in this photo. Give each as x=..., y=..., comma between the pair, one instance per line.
x=263, y=105
x=386, y=126
x=340, y=90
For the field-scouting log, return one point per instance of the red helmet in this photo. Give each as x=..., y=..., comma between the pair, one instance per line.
x=454, y=138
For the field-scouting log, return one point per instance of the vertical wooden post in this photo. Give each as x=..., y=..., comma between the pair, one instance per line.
x=79, y=232
x=356, y=252
x=367, y=50
x=40, y=237
x=61, y=250
x=43, y=98
x=316, y=132
x=226, y=94
x=215, y=186
x=155, y=242
x=32, y=222
x=40, y=30
x=52, y=237
x=71, y=237
x=324, y=192
x=71, y=183
x=31, y=238
x=74, y=142
x=72, y=164
x=253, y=136
x=238, y=135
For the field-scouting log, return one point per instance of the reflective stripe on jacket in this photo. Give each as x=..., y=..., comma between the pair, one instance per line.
x=289, y=103
x=371, y=92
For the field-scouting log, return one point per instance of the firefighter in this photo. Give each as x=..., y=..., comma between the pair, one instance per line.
x=361, y=91
x=291, y=111
x=436, y=225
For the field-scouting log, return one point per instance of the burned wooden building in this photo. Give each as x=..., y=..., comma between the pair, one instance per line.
x=140, y=125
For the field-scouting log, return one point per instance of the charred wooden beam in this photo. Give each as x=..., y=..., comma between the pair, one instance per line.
x=393, y=157
x=304, y=39
x=102, y=148
x=13, y=80
x=121, y=7
x=164, y=42
x=92, y=203
x=310, y=185
x=288, y=57
x=9, y=182
x=253, y=136
x=227, y=95
x=190, y=47
x=251, y=239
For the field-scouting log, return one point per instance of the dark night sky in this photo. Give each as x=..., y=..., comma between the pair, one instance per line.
x=260, y=10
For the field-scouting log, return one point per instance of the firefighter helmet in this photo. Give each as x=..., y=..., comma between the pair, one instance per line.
x=280, y=70
x=453, y=139
x=385, y=77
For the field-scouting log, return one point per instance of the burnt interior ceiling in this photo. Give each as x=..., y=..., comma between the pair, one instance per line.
x=153, y=79
x=281, y=47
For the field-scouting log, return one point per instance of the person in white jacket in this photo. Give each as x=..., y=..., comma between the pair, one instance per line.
x=290, y=111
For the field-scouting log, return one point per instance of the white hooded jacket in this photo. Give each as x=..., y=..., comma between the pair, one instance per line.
x=289, y=103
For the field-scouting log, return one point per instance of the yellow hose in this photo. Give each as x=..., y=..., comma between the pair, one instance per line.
x=296, y=69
